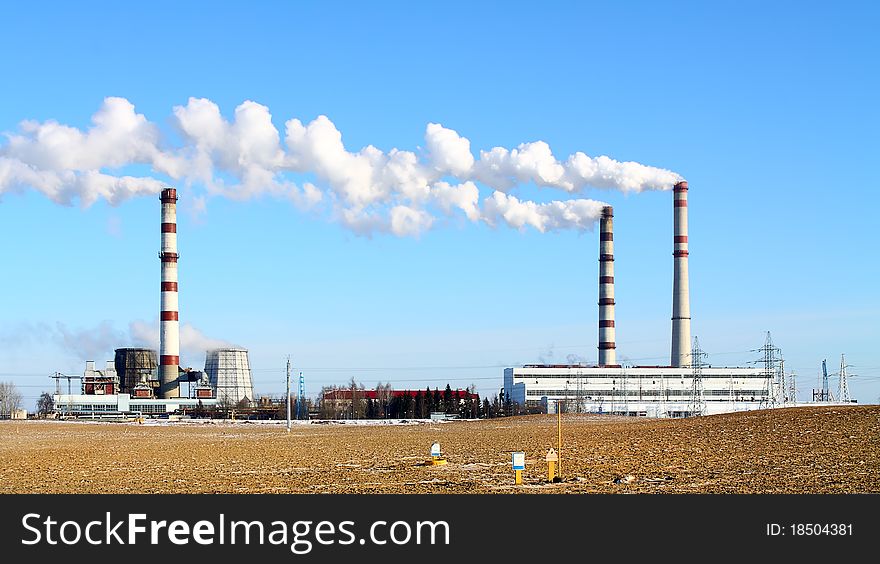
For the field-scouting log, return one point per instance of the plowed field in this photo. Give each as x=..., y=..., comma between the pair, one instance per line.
x=797, y=450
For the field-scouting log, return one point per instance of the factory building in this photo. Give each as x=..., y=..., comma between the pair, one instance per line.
x=99, y=395
x=638, y=391
x=685, y=387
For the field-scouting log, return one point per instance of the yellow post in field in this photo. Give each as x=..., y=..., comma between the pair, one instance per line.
x=559, y=436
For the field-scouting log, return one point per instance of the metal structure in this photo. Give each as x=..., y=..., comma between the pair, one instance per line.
x=133, y=365
x=229, y=373
x=681, y=309
x=842, y=386
x=169, y=317
x=301, y=397
x=823, y=393
x=698, y=400
x=771, y=359
x=607, y=346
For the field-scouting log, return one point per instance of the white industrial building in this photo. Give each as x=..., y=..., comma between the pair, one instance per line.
x=123, y=405
x=639, y=391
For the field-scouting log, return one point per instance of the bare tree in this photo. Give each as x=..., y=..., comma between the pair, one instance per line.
x=45, y=405
x=358, y=405
x=383, y=395
x=10, y=399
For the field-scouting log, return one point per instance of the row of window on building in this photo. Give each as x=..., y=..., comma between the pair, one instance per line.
x=638, y=393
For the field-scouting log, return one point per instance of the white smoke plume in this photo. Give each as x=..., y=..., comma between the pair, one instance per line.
x=368, y=191
x=192, y=341
x=93, y=343
x=88, y=344
x=549, y=216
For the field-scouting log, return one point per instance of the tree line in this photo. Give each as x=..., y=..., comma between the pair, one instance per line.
x=353, y=402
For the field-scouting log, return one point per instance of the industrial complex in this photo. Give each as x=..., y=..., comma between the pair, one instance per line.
x=686, y=387
x=137, y=383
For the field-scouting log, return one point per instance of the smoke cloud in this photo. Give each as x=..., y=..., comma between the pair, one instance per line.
x=368, y=191
x=192, y=341
x=99, y=342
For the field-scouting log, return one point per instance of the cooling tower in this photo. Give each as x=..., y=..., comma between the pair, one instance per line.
x=681, y=308
x=133, y=363
x=169, y=324
x=229, y=373
x=607, y=353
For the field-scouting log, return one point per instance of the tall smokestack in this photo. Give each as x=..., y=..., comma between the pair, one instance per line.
x=607, y=354
x=169, y=324
x=681, y=307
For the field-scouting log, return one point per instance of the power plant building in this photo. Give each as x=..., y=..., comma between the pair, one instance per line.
x=684, y=388
x=638, y=391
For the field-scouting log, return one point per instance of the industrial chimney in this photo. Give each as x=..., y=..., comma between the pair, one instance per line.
x=607, y=355
x=681, y=308
x=169, y=324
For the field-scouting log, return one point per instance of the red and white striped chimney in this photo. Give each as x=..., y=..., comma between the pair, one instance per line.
x=681, y=307
x=169, y=324
x=607, y=353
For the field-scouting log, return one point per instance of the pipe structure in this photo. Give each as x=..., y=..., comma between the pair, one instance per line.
x=169, y=318
x=607, y=346
x=681, y=308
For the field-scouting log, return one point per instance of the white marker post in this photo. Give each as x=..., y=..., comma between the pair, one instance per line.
x=436, y=455
x=519, y=464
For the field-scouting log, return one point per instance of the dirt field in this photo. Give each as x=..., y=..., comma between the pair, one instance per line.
x=801, y=450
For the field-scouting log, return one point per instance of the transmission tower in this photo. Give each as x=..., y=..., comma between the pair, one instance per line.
x=625, y=395
x=842, y=387
x=826, y=392
x=792, y=388
x=772, y=358
x=698, y=401
x=301, y=398
x=782, y=390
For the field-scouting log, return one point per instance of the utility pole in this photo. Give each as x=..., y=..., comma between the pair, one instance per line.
x=288, y=394
x=559, y=437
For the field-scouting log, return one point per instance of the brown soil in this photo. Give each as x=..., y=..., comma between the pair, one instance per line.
x=798, y=450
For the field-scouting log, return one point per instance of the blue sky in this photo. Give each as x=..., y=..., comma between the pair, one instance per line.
x=769, y=112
